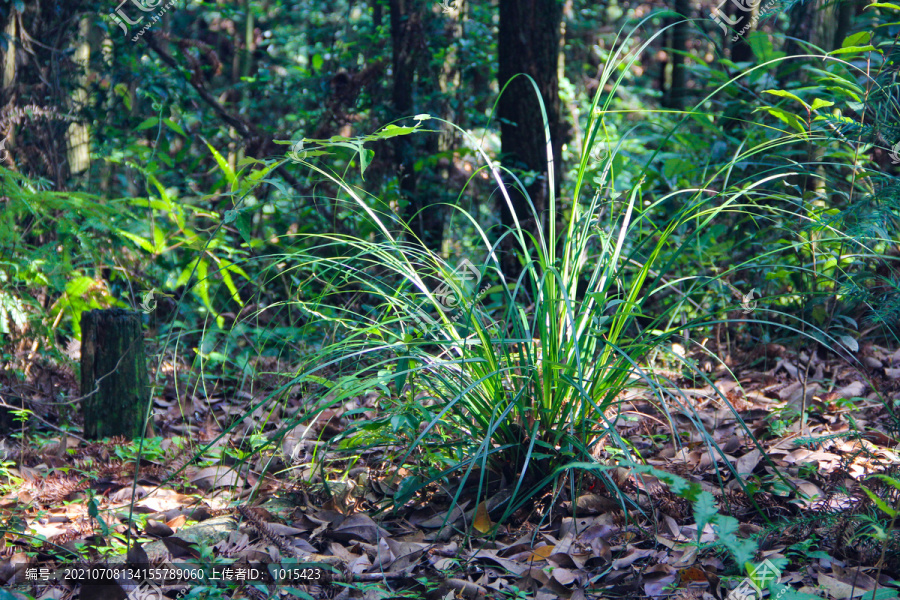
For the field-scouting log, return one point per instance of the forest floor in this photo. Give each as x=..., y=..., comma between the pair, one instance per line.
x=303, y=518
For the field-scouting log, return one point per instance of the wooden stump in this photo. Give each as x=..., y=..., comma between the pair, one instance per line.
x=113, y=373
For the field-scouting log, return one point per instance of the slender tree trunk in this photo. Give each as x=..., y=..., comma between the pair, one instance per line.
x=402, y=30
x=528, y=43
x=815, y=22
x=740, y=48
x=680, y=33
x=845, y=12
x=377, y=13
x=423, y=216
x=9, y=60
x=78, y=136
x=10, y=31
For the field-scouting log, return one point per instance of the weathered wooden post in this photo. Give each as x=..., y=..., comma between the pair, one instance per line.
x=113, y=373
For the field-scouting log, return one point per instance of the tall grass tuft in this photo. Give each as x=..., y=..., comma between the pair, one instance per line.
x=491, y=381
x=516, y=385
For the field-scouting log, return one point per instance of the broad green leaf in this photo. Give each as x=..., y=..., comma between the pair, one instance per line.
x=391, y=131
x=259, y=174
x=141, y=242
x=94, y=511
x=854, y=49
x=401, y=373
x=229, y=283
x=677, y=166
x=243, y=224
x=884, y=5
x=148, y=202
x=185, y=274
x=280, y=186
x=161, y=189
x=242, y=221
x=761, y=45
x=159, y=240
x=147, y=124
x=202, y=285
x=174, y=127
x=857, y=39
x=317, y=61
x=786, y=94
x=121, y=90
x=234, y=268
x=406, y=489
x=223, y=164
x=819, y=103
x=788, y=118
x=365, y=158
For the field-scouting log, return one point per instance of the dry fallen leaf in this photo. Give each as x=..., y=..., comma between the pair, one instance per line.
x=177, y=522
x=541, y=553
x=482, y=522
x=838, y=589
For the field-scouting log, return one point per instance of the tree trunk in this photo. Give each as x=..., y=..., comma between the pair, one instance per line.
x=424, y=219
x=746, y=24
x=528, y=43
x=377, y=13
x=814, y=22
x=680, y=33
x=113, y=373
x=78, y=137
x=845, y=13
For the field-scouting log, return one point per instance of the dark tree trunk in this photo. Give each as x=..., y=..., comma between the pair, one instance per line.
x=528, y=43
x=377, y=13
x=675, y=97
x=424, y=218
x=845, y=13
x=814, y=22
x=113, y=373
x=740, y=48
x=802, y=27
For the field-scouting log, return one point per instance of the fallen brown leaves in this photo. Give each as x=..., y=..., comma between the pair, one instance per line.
x=793, y=486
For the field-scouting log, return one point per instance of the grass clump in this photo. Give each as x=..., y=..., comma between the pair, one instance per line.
x=513, y=384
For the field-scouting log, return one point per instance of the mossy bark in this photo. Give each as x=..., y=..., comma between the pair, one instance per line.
x=113, y=374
